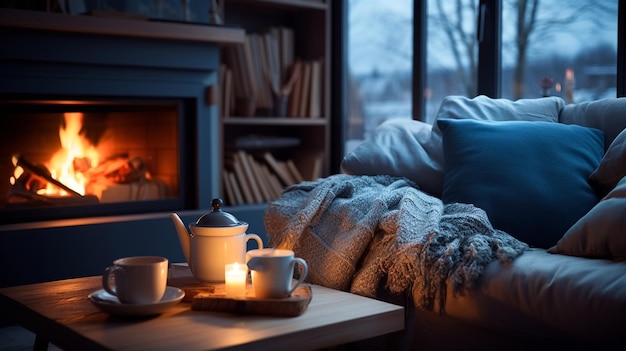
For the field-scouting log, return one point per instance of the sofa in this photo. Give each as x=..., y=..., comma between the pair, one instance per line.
x=531, y=197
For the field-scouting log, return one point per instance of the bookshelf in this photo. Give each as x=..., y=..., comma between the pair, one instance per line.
x=274, y=98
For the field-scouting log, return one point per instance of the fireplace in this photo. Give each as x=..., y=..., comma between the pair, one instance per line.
x=144, y=93
x=68, y=158
x=132, y=88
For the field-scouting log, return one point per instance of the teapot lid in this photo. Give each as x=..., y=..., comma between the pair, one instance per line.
x=217, y=217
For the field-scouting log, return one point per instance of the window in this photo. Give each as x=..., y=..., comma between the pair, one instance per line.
x=568, y=51
x=380, y=49
x=451, y=52
x=529, y=48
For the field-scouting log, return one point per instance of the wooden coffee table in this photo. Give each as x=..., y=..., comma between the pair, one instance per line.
x=60, y=312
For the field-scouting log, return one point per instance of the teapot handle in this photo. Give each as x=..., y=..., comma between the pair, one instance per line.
x=256, y=238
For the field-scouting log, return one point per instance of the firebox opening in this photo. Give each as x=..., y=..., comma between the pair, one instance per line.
x=70, y=158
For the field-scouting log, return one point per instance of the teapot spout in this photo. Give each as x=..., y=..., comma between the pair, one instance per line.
x=183, y=236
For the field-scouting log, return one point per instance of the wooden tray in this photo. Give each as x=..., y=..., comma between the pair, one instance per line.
x=192, y=287
x=291, y=306
x=212, y=297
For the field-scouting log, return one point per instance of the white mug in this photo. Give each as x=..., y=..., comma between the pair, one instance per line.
x=272, y=272
x=137, y=280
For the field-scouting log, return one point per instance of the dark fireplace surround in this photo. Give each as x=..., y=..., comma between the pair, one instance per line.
x=61, y=65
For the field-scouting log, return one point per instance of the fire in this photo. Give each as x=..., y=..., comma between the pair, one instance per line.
x=80, y=170
x=74, y=145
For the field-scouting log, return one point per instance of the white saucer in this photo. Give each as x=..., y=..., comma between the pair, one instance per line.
x=110, y=304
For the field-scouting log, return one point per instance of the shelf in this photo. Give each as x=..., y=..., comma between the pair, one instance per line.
x=295, y=5
x=278, y=34
x=120, y=27
x=269, y=121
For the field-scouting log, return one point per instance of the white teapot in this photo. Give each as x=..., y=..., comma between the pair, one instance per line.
x=217, y=238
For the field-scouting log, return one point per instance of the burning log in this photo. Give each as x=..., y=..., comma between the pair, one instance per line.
x=118, y=178
x=132, y=171
x=19, y=195
x=42, y=175
x=35, y=177
x=119, y=169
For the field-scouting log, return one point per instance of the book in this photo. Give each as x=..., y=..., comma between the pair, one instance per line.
x=286, y=51
x=295, y=173
x=249, y=61
x=228, y=189
x=236, y=189
x=225, y=90
x=303, y=104
x=293, y=106
x=273, y=72
x=275, y=187
x=261, y=70
x=318, y=165
x=316, y=89
x=312, y=164
x=260, y=179
x=244, y=72
x=262, y=85
x=242, y=157
x=242, y=181
x=264, y=65
x=279, y=168
x=232, y=62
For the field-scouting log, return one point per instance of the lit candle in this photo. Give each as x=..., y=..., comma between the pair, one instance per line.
x=235, y=279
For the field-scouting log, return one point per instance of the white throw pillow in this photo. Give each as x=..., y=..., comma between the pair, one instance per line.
x=397, y=148
x=487, y=109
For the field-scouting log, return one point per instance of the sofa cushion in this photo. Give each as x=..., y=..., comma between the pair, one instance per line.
x=583, y=298
x=407, y=148
x=612, y=167
x=601, y=233
x=530, y=177
x=399, y=148
x=604, y=114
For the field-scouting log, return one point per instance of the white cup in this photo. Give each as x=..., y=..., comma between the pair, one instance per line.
x=137, y=280
x=272, y=272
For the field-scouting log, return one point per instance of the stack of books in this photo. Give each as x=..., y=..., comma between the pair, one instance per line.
x=258, y=178
x=264, y=67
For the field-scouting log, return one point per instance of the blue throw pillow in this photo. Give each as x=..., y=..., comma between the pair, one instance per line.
x=529, y=177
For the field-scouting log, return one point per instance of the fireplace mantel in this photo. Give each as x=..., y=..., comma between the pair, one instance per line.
x=124, y=27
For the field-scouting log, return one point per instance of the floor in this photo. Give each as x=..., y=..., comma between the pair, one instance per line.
x=15, y=338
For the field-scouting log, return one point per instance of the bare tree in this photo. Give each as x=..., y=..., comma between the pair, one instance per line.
x=460, y=38
x=526, y=20
x=536, y=23
x=535, y=29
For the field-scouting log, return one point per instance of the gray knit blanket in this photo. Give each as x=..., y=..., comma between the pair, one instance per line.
x=358, y=231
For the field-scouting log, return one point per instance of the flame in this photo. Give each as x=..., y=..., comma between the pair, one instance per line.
x=74, y=145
